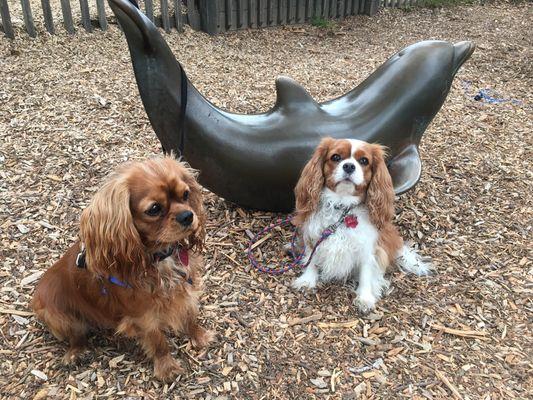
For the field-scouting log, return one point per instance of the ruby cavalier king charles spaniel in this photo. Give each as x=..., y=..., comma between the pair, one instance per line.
x=346, y=184
x=137, y=266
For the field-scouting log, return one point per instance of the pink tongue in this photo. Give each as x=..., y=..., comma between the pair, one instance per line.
x=184, y=257
x=350, y=221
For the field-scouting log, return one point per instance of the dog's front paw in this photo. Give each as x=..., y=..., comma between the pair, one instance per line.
x=304, y=282
x=166, y=368
x=73, y=355
x=366, y=303
x=202, y=338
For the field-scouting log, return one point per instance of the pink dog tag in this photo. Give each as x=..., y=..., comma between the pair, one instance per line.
x=350, y=221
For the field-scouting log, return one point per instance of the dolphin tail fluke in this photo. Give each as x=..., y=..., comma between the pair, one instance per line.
x=161, y=80
x=405, y=169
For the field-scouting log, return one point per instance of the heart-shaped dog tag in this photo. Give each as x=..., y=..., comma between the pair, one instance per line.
x=350, y=221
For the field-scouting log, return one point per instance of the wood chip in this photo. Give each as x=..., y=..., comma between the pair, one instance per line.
x=305, y=320
x=448, y=384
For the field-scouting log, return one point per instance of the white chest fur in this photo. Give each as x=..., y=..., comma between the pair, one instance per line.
x=341, y=254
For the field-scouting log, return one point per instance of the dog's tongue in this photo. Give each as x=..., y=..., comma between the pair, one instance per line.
x=183, y=255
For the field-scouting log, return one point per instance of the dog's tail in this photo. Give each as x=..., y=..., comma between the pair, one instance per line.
x=410, y=261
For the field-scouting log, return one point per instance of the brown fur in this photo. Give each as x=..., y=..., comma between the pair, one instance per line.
x=380, y=203
x=310, y=184
x=120, y=240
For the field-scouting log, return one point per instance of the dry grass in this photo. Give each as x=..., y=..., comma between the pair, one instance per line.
x=70, y=112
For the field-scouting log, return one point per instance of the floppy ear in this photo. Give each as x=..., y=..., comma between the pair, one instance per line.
x=197, y=239
x=112, y=243
x=380, y=193
x=310, y=184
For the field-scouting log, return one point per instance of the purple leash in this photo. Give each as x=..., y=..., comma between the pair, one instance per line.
x=297, y=257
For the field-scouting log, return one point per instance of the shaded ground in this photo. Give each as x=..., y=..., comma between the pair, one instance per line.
x=70, y=112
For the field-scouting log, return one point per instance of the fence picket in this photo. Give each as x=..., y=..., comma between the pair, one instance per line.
x=317, y=8
x=28, y=18
x=210, y=22
x=149, y=9
x=228, y=9
x=85, y=15
x=243, y=14
x=282, y=13
x=6, y=19
x=252, y=13
x=340, y=9
x=291, y=19
x=67, y=16
x=178, y=22
x=100, y=10
x=165, y=19
x=300, y=11
x=272, y=12
x=193, y=15
x=47, y=15
x=308, y=10
x=262, y=13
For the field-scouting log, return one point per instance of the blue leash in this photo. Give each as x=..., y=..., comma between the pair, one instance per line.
x=487, y=95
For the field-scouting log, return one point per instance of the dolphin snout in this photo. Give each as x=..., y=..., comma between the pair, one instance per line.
x=462, y=52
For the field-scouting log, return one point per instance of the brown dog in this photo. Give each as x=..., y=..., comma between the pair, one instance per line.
x=137, y=267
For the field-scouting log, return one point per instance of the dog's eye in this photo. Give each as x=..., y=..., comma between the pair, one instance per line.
x=185, y=195
x=363, y=161
x=335, y=158
x=154, y=210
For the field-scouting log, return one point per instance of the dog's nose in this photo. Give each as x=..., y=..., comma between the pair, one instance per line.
x=348, y=168
x=185, y=218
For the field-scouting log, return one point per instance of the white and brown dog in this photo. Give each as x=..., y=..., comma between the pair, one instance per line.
x=347, y=182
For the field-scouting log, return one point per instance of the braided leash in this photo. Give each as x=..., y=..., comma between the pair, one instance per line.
x=487, y=95
x=297, y=257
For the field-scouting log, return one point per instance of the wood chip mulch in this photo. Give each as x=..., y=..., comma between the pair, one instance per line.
x=70, y=113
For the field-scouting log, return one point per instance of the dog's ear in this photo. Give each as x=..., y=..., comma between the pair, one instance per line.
x=310, y=184
x=380, y=192
x=112, y=243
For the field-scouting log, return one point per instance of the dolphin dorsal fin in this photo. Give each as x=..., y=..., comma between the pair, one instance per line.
x=292, y=96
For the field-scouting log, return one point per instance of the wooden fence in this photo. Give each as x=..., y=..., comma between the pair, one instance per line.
x=399, y=3
x=212, y=16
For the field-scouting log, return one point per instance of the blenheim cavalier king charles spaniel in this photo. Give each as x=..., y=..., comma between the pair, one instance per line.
x=137, y=266
x=346, y=183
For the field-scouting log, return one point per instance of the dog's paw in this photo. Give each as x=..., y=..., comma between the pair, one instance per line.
x=203, y=338
x=366, y=303
x=166, y=368
x=304, y=282
x=72, y=356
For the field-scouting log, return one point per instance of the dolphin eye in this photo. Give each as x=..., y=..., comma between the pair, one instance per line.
x=363, y=161
x=335, y=158
x=154, y=210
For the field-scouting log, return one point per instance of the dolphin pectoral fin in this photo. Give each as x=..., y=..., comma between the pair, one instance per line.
x=292, y=96
x=405, y=169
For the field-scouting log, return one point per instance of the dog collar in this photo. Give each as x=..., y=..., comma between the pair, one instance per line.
x=181, y=252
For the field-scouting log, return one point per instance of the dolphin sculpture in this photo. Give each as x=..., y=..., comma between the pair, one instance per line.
x=255, y=160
